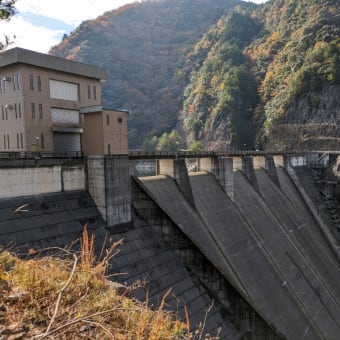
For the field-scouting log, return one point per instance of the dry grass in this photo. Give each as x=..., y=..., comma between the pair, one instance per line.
x=69, y=297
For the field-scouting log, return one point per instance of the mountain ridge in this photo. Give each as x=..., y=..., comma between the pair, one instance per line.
x=227, y=74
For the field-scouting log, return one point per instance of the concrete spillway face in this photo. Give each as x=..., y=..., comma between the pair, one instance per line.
x=303, y=232
x=246, y=251
x=166, y=194
x=291, y=191
x=298, y=276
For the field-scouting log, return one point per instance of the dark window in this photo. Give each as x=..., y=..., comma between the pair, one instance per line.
x=39, y=83
x=107, y=120
x=18, y=141
x=21, y=140
x=109, y=149
x=16, y=110
x=33, y=110
x=31, y=82
x=8, y=142
x=2, y=112
x=42, y=141
x=40, y=111
x=4, y=84
x=6, y=112
x=94, y=92
x=5, y=142
x=19, y=109
x=17, y=80
x=88, y=91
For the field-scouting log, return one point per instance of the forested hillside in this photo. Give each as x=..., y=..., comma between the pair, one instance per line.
x=268, y=78
x=144, y=47
x=224, y=73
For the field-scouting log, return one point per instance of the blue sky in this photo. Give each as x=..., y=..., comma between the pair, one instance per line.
x=41, y=24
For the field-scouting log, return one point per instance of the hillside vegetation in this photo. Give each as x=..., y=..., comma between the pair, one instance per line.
x=143, y=47
x=225, y=74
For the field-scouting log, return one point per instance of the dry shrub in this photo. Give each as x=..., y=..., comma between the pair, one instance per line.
x=69, y=296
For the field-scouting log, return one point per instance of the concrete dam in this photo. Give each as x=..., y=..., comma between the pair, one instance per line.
x=245, y=243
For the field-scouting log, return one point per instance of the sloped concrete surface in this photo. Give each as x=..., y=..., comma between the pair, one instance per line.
x=144, y=256
x=143, y=262
x=48, y=220
x=281, y=281
x=168, y=196
x=297, y=273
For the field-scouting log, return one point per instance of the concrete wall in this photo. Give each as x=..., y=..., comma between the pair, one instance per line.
x=96, y=182
x=36, y=180
x=109, y=186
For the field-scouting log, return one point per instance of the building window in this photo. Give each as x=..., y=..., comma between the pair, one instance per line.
x=88, y=91
x=6, y=112
x=17, y=80
x=16, y=85
x=8, y=146
x=5, y=80
x=109, y=149
x=39, y=83
x=5, y=145
x=18, y=145
x=16, y=110
x=2, y=112
x=42, y=141
x=31, y=82
x=64, y=90
x=40, y=111
x=21, y=140
x=33, y=110
x=19, y=109
x=107, y=120
x=94, y=92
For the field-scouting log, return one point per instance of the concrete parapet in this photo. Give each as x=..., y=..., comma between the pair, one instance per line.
x=206, y=164
x=238, y=163
x=279, y=160
x=259, y=162
x=165, y=167
x=109, y=186
x=27, y=180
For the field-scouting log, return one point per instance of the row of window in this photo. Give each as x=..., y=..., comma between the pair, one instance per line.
x=40, y=110
x=31, y=78
x=20, y=141
x=5, y=80
x=9, y=107
x=35, y=83
x=17, y=110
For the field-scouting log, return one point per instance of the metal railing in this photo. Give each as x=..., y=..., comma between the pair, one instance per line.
x=41, y=155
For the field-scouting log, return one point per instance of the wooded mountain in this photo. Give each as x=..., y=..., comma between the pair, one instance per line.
x=225, y=73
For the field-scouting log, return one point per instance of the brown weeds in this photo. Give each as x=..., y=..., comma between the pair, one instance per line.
x=69, y=297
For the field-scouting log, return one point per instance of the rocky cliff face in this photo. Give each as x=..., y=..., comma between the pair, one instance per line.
x=312, y=122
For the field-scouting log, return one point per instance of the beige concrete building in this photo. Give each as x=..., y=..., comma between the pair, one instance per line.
x=50, y=104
